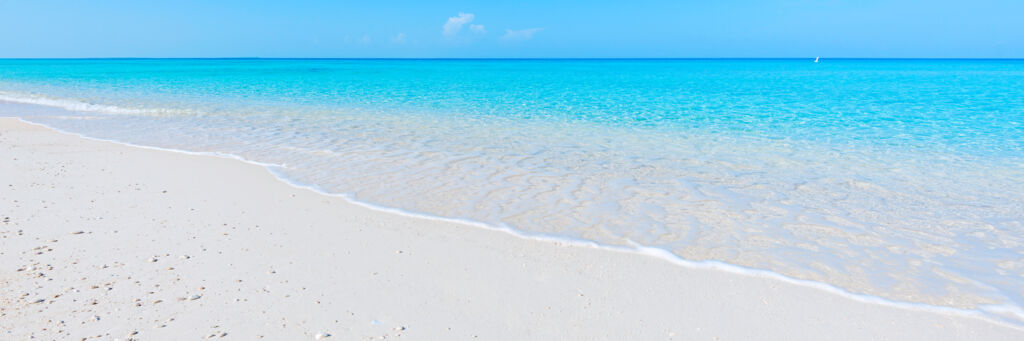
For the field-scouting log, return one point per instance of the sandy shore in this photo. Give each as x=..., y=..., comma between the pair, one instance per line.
x=102, y=240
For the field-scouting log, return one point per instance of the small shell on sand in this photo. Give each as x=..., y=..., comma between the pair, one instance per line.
x=151, y=260
x=78, y=232
x=194, y=297
x=322, y=335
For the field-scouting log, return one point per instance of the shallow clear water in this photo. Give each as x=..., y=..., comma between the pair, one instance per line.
x=902, y=179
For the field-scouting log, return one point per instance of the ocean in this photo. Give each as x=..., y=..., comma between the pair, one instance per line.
x=901, y=180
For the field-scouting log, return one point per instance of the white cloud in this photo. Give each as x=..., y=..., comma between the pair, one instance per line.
x=454, y=24
x=398, y=38
x=477, y=28
x=523, y=34
x=364, y=40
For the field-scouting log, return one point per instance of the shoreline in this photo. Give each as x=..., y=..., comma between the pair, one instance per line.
x=576, y=264
x=911, y=273
x=1005, y=314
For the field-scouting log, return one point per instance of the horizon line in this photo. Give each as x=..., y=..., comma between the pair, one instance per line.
x=510, y=58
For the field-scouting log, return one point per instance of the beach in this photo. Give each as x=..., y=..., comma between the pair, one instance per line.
x=101, y=240
x=831, y=174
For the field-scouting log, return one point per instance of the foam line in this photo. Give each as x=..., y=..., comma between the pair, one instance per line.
x=76, y=106
x=998, y=314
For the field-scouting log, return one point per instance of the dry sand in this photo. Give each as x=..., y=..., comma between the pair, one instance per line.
x=108, y=241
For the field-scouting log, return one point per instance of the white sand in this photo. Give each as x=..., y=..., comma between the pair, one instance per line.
x=265, y=259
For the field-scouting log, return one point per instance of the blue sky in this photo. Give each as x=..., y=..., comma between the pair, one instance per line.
x=432, y=29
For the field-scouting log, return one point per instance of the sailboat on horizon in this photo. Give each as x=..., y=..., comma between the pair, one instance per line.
x=816, y=59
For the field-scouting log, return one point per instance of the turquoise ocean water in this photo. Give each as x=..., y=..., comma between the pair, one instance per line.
x=897, y=179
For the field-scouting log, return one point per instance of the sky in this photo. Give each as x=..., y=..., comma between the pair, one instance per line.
x=512, y=29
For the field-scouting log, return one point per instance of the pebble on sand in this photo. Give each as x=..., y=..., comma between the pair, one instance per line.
x=321, y=335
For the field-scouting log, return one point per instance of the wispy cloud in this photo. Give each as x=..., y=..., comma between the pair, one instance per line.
x=454, y=24
x=398, y=38
x=477, y=28
x=364, y=40
x=524, y=34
